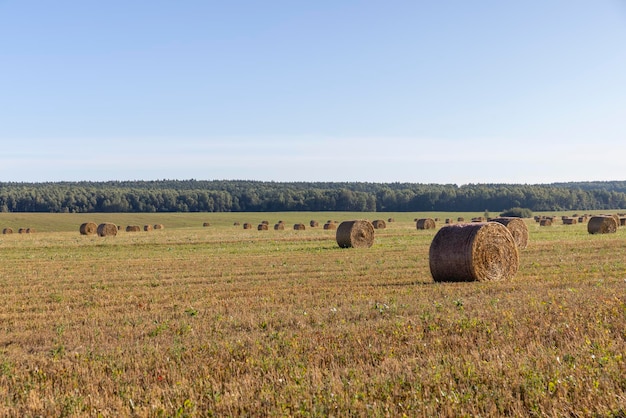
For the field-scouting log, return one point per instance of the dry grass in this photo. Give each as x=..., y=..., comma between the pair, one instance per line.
x=230, y=322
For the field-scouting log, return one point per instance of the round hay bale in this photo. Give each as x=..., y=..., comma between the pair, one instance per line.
x=133, y=228
x=426, y=223
x=21, y=231
x=460, y=219
x=262, y=227
x=7, y=231
x=159, y=226
x=355, y=234
x=280, y=226
x=30, y=230
x=299, y=227
x=247, y=225
x=622, y=220
x=545, y=222
x=518, y=229
x=314, y=224
x=236, y=224
x=205, y=224
x=390, y=220
x=330, y=225
x=602, y=225
x=449, y=221
x=88, y=228
x=265, y=222
x=147, y=228
x=107, y=230
x=478, y=251
x=569, y=221
x=379, y=224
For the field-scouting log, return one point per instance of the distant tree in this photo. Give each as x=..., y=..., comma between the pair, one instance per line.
x=518, y=213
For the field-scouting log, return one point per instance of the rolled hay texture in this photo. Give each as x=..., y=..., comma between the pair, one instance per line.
x=518, y=229
x=247, y=225
x=262, y=227
x=299, y=227
x=159, y=226
x=279, y=226
x=477, y=251
x=147, y=228
x=602, y=225
x=107, y=230
x=356, y=234
x=21, y=231
x=545, y=222
x=330, y=225
x=133, y=228
x=314, y=223
x=88, y=228
x=7, y=231
x=379, y=224
x=426, y=223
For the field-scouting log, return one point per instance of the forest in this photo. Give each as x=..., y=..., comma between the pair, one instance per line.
x=258, y=196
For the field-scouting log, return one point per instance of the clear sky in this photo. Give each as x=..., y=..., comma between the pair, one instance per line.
x=450, y=91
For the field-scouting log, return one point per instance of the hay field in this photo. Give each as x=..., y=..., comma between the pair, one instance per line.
x=222, y=321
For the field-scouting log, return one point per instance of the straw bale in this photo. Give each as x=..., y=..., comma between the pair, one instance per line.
x=478, y=251
x=545, y=222
x=426, y=223
x=279, y=226
x=247, y=225
x=391, y=220
x=21, y=231
x=314, y=223
x=330, y=225
x=602, y=225
x=299, y=227
x=379, y=224
x=518, y=229
x=262, y=227
x=460, y=219
x=356, y=234
x=133, y=228
x=30, y=230
x=205, y=224
x=107, y=229
x=569, y=221
x=236, y=223
x=7, y=231
x=88, y=228
x=147, y=228
x=159, y=226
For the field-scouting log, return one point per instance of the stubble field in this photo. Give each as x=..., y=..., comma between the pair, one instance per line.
x=222, y=321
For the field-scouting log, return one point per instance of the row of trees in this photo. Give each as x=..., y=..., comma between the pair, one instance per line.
x=236, y=195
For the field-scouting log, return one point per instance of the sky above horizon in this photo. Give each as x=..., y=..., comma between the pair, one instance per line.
x=398, y=91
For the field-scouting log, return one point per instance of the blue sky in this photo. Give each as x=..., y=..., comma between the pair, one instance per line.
x=450, y=91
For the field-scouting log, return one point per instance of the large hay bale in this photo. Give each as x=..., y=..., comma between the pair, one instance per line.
x=390, y=220
x=133, y=228
x=30, y=230
x=159, y=226
x=602, y=225
x=107, y=230
x=355, y=234
x=330, y=225
x=21, y=231
x=314, y=223
x=426, y=223
x=299, y=227
x=7, y=231
x=88, y=228
x=518, y=229
x=545, y=222
x=262, y=227
x=379, y=224
x=569, y=221
x=247, y=225
x=477, y=251
x=280, y=226
x=147, y=228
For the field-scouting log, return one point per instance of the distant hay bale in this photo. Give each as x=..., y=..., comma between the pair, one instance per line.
x=379, y=224
x=449, y=221
x=426, y=223
x=107, y=230
x=478, y=251
x=147, y=228
x=391, y=220
x=330, y=225
x=622, y=220
x=479, y=219
x=247, y=225
x=602, y=225
x=262, y=227
x=7, y=231
x=545, y=222
x=314, y=223
x=265, y=222
x=279, y=226
x=158, y=226
x=299, y=227
x=569, y=221
x=518, y=229
x=21, y=231
x=460, y=219
x=236, y=223
x=355, y=234
x=30, y=230
x=133, y=228
x=88, y=228
x=205, y=224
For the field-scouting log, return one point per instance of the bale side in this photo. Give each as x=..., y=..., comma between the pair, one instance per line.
x=262, y=227
x=280, y=226
x=133, y=228
x=602, y=225
x=147, y=228
x=426, y=223
x=107, y=230
x=379, y=224
x=478, y=251
x=314, y=223
x=299, y=227
x=7, y=231
x=518, y=229
x=159, y=226
x=330, y=225
x=355, y=234
x=88, y=228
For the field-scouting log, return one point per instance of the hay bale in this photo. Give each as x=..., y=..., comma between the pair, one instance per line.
x=356, y=234
x=30, y=230
x=602, y=225
x=236, y=223
x=569, y=221
x=147, y=228
x=314, y=224
x=330, y=225
x=299, y=227
x=390, y=220
x=460, y=219
x=518, y=229
x=478, y=251
x=159, y=226
x=107, y=230
x=622, y=220
x=21, y=231
x=7, y=231
x=88, y=228
x=426, y=223
x=262, y=227
x=545, y=222
x=280, y=226
x=449, y=221
x=205, y=224
x=247, y=225
x=133, y=228
x=379, y=224
x=265, y=222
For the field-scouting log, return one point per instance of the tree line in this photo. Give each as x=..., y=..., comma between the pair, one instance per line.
x=243, y=195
